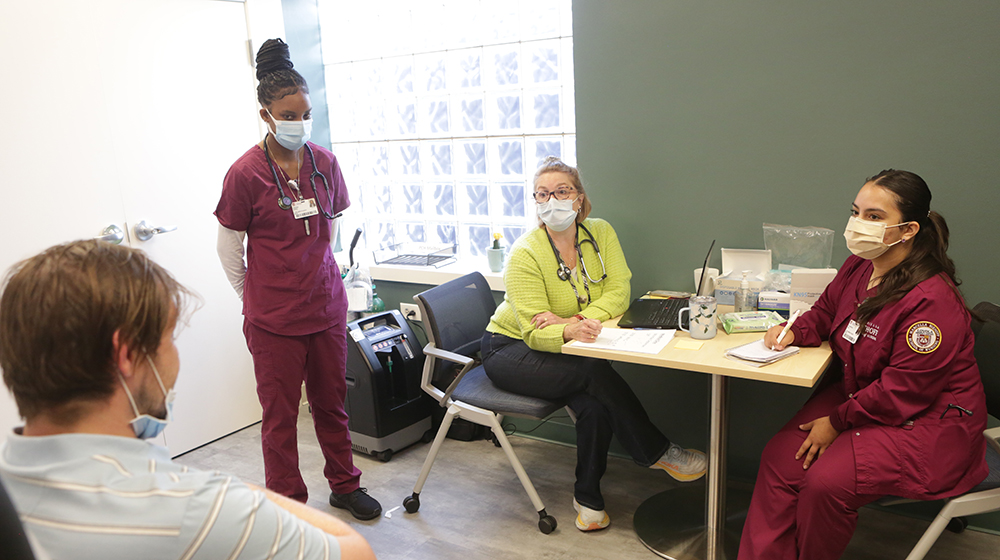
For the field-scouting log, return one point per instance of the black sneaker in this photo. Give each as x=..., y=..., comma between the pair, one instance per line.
x=359, y=503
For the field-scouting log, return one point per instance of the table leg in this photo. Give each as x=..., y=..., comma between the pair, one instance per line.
x=689, y=522
x=715, y=516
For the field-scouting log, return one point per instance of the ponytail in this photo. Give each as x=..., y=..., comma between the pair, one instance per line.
x=929, y=253
x=938, y=247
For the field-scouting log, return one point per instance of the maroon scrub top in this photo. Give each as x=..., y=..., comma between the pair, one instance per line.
x=910, y=361
x=293, y=284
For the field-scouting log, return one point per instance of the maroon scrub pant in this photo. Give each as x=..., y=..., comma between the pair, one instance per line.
x=281, y=365
x=796, y=513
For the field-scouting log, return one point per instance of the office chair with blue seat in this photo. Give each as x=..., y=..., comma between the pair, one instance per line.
x=456, y=315
x=985, y=497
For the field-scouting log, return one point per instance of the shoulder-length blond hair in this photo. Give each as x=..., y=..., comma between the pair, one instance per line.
x=552, y=164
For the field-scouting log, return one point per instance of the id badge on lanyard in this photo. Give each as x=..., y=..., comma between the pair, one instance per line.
x=852, y=332
x=303, y=209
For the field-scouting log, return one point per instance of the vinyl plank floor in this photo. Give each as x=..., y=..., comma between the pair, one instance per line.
x=473, y=506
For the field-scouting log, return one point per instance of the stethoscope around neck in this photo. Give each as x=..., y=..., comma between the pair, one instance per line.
x=565, y=274
x=285, y=201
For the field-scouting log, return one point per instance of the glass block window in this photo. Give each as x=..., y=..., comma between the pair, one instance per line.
x=440, y=112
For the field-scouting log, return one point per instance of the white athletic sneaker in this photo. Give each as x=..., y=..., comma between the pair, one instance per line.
x=590, y=519
x=684, y=465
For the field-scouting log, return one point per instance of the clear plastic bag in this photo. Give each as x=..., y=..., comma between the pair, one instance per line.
x=358, y=283
x=778, y=281
x=810, y=247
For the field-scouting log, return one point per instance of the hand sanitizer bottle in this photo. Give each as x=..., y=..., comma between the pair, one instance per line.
x=743, y=296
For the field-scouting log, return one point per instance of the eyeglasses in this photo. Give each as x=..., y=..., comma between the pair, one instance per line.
x=542, y=197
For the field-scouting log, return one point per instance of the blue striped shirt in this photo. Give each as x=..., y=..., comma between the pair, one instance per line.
x=85, y=496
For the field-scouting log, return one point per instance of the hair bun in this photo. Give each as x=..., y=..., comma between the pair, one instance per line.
x=272, y=57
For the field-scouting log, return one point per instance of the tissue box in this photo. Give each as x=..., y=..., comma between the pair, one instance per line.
x=774, y=301
x=734, y=262
x=807, y=285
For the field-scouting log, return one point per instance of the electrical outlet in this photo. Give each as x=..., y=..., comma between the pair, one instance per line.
x=410, y=311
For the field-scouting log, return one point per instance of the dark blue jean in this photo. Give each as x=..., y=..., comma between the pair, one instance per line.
x=603, y=402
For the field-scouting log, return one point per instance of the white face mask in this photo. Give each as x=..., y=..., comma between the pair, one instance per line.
x=146, y=426
x=557, y=214
x=292, y=135
x=866, y=239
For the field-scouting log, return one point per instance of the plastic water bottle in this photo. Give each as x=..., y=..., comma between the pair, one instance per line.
x=377, y=304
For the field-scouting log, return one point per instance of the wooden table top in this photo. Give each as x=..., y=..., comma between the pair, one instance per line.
x=802, y=369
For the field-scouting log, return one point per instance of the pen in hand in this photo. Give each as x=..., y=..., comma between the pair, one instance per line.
x=788, y=325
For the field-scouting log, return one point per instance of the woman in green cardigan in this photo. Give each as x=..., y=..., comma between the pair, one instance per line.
x=563, y=279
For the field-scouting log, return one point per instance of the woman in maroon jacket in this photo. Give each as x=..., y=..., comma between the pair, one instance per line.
x=906, y=415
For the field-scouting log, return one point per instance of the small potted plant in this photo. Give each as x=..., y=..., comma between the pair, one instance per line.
x=494, y=254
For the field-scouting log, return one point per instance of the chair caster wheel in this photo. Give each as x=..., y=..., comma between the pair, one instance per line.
x=411, y=503
x=547, y=524
x=957, y=524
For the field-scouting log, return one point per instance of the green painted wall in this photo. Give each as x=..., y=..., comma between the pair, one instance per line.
x=721, y=115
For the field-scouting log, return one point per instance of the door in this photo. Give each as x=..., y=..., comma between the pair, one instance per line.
x=133, y=110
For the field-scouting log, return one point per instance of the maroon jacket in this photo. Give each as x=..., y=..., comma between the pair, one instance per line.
x=911, y=360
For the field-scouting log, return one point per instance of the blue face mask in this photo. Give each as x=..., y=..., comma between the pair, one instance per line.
x=292, y=135
x=144, y=425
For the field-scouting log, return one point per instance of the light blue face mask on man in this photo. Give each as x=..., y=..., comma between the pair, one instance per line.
x=144, y=425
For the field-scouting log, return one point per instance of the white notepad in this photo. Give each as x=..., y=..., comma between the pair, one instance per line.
x=759, y=354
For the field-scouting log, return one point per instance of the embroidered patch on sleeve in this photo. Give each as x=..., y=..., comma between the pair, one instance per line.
x=923, y=337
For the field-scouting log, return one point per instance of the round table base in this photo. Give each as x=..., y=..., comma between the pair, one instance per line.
x=672, y=523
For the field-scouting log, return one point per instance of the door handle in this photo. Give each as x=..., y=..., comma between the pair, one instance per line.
x=112, y=234
x=144, y=232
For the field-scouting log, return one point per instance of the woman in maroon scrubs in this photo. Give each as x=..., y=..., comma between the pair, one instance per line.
x=906, y=415
x=294, y=303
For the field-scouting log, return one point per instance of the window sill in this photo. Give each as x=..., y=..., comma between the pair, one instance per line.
x=434, y=276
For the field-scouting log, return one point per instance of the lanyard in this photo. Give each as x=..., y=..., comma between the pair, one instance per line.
x=285, y=202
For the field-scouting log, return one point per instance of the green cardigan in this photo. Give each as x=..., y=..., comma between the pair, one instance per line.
x=533, y=286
